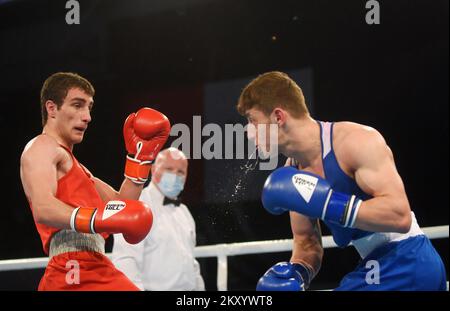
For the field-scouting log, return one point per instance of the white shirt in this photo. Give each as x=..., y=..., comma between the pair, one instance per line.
x=164, y=260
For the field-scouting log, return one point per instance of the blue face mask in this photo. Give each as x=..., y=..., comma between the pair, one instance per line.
x=171, y=184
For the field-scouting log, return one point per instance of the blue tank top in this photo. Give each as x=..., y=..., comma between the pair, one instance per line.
x=340, y=182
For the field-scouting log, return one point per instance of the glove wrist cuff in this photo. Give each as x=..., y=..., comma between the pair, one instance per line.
x=341, y=208
x=136, y=170
x=82, y=220
x=304, y=272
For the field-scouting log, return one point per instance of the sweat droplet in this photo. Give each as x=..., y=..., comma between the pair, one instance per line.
x=249, y=166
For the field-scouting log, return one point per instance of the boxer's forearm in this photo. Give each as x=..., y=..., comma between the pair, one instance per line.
x=384, y=214
x=130, y=190
x=308, y=252
x=307, y=242
x=52, y=212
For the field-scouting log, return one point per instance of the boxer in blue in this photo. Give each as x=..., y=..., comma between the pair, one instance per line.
x=344, y=174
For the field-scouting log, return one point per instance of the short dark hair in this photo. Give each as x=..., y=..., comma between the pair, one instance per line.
x=57, y=86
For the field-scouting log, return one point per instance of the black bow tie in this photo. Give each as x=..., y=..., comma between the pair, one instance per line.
x=168, y=201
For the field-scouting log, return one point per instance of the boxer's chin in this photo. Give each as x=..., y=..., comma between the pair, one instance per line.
x=77, y=138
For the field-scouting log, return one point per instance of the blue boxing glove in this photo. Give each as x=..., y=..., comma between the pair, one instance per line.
x=289, y=189
x=285, y=276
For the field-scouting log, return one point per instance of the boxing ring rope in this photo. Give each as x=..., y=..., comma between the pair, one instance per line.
x=221, y=251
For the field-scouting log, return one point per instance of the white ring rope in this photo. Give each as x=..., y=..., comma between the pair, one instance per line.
x=221, y=251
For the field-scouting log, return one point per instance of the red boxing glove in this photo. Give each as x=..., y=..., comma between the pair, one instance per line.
x=132, y=218
x=145, y=133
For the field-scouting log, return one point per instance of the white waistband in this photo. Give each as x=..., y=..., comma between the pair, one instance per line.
x=65, y=241
x=367, y=244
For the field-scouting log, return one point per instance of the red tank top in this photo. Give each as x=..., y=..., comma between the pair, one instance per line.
x=76, y=188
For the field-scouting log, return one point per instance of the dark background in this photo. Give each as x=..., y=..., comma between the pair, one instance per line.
x=392, y=76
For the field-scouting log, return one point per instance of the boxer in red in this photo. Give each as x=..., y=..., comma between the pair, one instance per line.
x=73, y=210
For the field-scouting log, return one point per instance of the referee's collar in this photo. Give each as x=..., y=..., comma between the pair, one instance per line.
x=155, y=194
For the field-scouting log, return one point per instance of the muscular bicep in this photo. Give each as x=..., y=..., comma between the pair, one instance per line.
x=38, y=170
x=375, y=171
x=39, y=173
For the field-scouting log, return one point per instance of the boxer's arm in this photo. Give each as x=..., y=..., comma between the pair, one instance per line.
x=376, y=174
x=128, y=190
x=38, y=172
x=307, y=247
x=305, y=261
x=307, y=236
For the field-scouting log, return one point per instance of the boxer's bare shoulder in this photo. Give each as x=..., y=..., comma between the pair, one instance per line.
x=353, y=142
x=44, y=149
x=348, y=132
